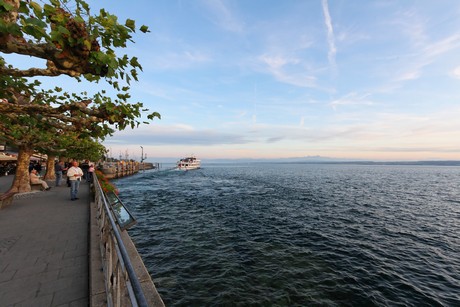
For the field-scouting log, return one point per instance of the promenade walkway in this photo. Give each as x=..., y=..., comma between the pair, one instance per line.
x=44, y=248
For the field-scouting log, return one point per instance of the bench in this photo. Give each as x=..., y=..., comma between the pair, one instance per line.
x=36, y=187
x=6, y=199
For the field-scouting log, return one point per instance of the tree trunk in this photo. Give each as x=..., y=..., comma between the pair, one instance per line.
x=21, y=181
x=50, y=174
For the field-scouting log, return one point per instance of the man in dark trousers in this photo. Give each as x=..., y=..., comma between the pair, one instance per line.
x=85, y=167
x=58, y=170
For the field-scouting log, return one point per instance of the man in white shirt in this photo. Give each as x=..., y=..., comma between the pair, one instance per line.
x=74, y=174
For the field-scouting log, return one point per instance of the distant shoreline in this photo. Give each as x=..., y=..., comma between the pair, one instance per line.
x=433, y=163
x=427, y=163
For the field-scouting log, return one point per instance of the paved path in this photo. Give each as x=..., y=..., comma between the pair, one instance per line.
x=44, y=248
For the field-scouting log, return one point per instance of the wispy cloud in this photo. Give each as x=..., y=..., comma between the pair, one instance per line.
x=223, y=16
x=442, y=46
x=351, y=35
x=302, y=121
x=278, y=62
x=410, y=73
x=413, y=66
x=154, y=90
x=175, y=134
x=456, y=72
x=177, y=60
x=413, y=25
x=288, y=70
x=352, y=99
x=330, y=35
x=424, y=50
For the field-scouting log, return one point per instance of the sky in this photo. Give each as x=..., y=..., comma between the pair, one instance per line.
x=345, y=79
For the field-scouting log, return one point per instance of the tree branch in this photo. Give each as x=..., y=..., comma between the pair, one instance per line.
x=58, y=61
x=32, y=72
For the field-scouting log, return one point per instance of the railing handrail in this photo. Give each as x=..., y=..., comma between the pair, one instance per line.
x=125, y=261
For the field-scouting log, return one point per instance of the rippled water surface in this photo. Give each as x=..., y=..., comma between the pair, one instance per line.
x=299, y=234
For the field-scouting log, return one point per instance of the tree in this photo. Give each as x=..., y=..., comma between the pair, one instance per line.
x=75, y=43
x=73, y=147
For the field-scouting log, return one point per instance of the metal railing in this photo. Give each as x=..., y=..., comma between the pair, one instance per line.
x=122, y=284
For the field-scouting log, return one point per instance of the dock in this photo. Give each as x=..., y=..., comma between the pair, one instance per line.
x=44, y=248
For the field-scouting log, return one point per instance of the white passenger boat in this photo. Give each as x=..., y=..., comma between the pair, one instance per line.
x=188, y=163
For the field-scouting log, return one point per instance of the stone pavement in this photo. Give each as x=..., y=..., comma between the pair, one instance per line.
x=44, y=247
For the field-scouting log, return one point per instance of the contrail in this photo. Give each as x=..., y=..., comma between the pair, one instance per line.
x=254, y=116
x=330, y=35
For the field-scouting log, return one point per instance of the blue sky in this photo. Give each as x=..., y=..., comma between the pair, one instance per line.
x=267, y=79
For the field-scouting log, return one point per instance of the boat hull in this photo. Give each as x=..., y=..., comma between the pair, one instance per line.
x=187, y=168
x=188, y=164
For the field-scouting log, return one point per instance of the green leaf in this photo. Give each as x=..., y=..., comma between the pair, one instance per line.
x=3, y=26
x=79, y=19
x=14, y=29
x=23, y=7
x=33, y=31
x=153, y=115
x=58, y=18
x=35, y=22
x=56, y=37
x=36, y=7
x=6, y=6
x=63, y=30
x=144, y=29
x=130, y=24
x=85, y=6
x=134, y=62
x=49, y=10
x=87, y=43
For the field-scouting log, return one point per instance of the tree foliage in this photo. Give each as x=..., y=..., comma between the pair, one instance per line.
x=73, y=42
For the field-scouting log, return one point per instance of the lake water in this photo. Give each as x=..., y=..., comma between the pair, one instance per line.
x=299, y=234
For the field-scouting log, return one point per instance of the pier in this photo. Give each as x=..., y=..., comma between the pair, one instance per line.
x=51, y=255
x=122, y=168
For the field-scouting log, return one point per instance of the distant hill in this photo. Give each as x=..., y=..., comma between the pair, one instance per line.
x=434, y=162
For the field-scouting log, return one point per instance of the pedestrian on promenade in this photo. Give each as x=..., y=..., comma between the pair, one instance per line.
x=85, y=167
x=90, y=173
x=74, y=175
x=67, y=166
x=58, y=171
x=35, y=179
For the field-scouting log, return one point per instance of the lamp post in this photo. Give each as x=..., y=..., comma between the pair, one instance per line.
x=142, y=158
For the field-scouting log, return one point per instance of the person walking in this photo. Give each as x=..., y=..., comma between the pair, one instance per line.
x=85, y=167
x=90, y=173
x=58, y=171
x=74, y=175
